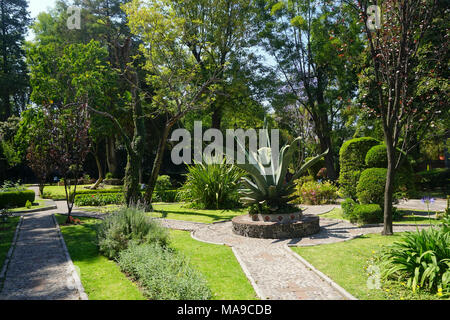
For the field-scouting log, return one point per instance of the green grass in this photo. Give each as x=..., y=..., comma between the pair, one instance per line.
x=58, y=192
x=101, y=278
x=177, y=211
x=218, y=264
x=346, y=264
x=7, y=231
x=37, y=204
x=409, y=217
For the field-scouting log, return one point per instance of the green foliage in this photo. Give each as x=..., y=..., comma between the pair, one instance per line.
x=371, y=186
x=28, y=204
x=422, y=259
x=212, y=186
x=315, y=169
x=376, y=157
x=366, y=213
x=99, y=199
x=314, y=193
x=109, y=175
x=163, y=274
x=352, y=157
x=163, y=183
x=435, y=178
x=13, y=199
x=347, y=206
x=165, y=196
x=126, y=225
x=271, y=189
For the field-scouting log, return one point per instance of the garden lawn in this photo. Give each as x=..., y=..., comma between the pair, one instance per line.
x=177, y=211
x=409, y=217
x=58, y=192
x=101, y=278
x=346, y=264
x=37, y=204
x=7, y=231
x=218, y=264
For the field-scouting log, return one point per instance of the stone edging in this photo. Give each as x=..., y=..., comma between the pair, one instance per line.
x=74, y=273
x=321, y=275
x=243, y=267
x=46, y=208
x=11, y=249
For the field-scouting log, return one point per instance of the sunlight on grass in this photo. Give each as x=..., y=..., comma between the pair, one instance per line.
x=218, y=264
x=7, y=231
x=101, y=278
x=177, y=211
x=346, y=264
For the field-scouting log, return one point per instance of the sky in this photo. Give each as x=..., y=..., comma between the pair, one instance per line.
x=37, y=6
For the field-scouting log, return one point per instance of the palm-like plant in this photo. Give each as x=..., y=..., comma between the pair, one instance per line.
x=272, y=190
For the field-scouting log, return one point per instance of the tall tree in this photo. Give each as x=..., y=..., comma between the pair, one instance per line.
x=14, y=86
x=177, y=76
x=407, y=80
x=312, y=47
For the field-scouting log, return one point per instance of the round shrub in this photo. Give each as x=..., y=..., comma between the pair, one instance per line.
x=128, y=225
x=366, y=213
x=15, y=199
x=352, y=156
x=163, y=183
x=376, y=157
x=347, y=206
x=371, y=185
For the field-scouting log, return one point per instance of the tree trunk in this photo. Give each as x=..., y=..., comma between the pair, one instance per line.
x=389, y=188
x=216, y=118
x=100, y=170
x=131, y=181
x=157, y=166
x=111, y=156
x=325, y=143
x=41, y=189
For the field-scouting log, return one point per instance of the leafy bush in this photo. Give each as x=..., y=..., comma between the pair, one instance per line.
x=365, y=213
x=352, y=157
x=163, y=274
x=317, y=192
x=347, y=206
x=376, y=157
x=370, y=188
x=422, y=259
x=314, y=170
x=125, y=225
x=109, y=175
x=14, y=199
x=435, y=178
x=56, y=194
x=165, y=196
x=212, y=186
x=28, y=204
x=99, y=199
x=163, y=183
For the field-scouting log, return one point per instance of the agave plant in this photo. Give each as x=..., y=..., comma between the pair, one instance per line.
x=272, y=190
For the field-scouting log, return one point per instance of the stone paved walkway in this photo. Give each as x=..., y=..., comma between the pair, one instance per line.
x=39, y=268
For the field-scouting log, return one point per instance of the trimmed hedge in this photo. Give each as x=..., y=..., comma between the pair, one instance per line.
x=352, y=156
x=165, y=196
x=366, y=213
x=370, y=188
x=16, y=199
x=99, y=199
x=376, y=157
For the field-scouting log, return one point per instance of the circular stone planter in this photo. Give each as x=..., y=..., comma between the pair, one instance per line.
x=277, y=226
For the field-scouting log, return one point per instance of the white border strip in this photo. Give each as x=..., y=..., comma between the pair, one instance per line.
x=321, y=275
x=76, y=277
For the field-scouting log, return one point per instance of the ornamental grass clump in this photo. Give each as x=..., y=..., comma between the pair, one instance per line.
x=421, y=259
x=129, y=225
x=212, y=186
x=163, y=274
